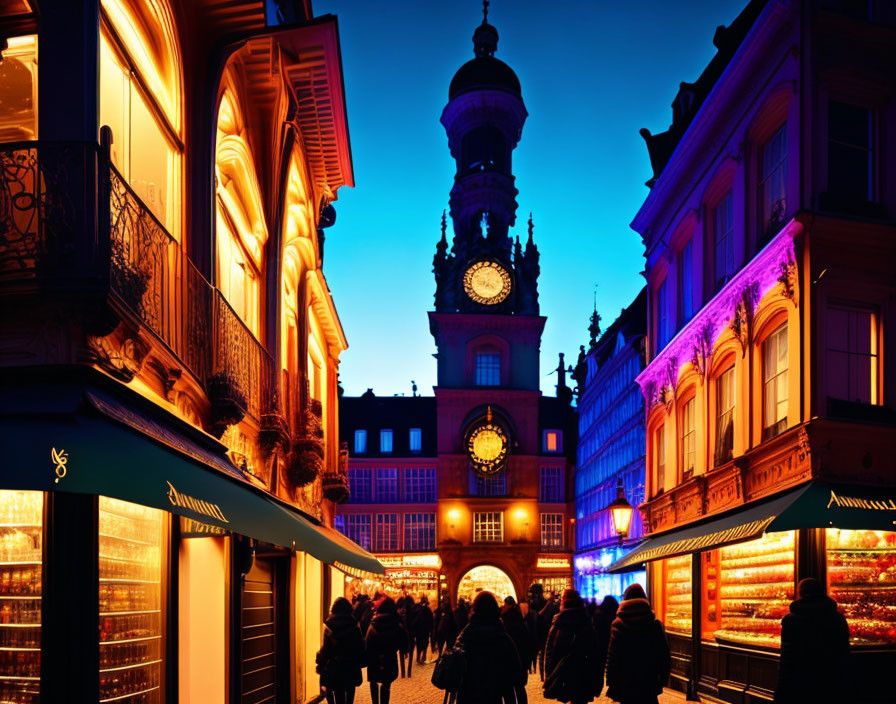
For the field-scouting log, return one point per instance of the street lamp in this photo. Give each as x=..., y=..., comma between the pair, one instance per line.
x=621, y=512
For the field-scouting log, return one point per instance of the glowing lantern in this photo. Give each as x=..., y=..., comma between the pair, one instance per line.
x=621, y=512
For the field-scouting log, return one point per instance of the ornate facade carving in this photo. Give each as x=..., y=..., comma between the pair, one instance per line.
x=121, y=358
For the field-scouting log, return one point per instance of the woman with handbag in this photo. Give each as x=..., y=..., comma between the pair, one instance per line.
x=341, y=655
x=574, y=672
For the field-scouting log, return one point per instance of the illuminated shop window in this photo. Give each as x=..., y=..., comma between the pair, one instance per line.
x=415, y=439
x=773, y=182
x=132, y=598
x=420, y=485
x=723, y=230
x=419, y=532
x=676, y=587
x=551, y=487
x=357, y=528
x=386, y=534
x=861, y=567
x=385, y=486
x=360, y=486
x=851, y=354
x=18, y=86
x=386, y=440
x=724, y=416
x=488, y=369
x=552, y=530
x=774, y=383
x=360, y=442
x=21, y=566
x=488, y=527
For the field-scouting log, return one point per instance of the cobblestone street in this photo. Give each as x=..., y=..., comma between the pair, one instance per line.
x=418, y=690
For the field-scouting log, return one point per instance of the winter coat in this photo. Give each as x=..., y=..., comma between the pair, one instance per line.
x=423, y=624
x=385, y=638
x=363, y=612
x=446, y=629
x=545, y=620
x=638, y=660
x=461, y=616
x=814, y=653
x=571, y=634
x=493, y=666
x=341, y=655
x=602, y=620
x=512, y=616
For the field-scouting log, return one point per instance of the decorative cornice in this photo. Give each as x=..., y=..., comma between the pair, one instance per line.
x=732, y=307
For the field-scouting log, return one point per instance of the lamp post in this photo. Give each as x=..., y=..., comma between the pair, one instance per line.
x=621, y=512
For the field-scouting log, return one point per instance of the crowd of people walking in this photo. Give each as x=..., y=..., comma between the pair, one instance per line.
x=576, y=649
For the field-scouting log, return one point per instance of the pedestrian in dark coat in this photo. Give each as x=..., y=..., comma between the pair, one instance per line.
x=386, y=637
x=341, y=655
x=446, y=629
x=545, y=619
x=536, y=602
x=461, y=614
x=512, y=616
x=570, y=656
x=422, y=629
x=814, y=649
x=602, y=620
x=493, y=666
x=363, y=612
x=638, y=660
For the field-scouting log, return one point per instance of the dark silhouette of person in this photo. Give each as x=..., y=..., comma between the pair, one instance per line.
x=493, y=666
x=422, y=628
x=536, y=602
x=814, y=649
x=570, y=654
x=545, y=619
x=512, y=617
x=446, y=628
x=386, y=638
x=638, y=660
x=341, y=655
x=602, y=620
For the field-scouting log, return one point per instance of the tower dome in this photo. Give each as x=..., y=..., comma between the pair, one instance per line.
x=484, y=72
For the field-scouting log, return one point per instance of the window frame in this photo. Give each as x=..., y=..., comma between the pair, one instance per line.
x=412, y=543
x=769, y=431
x=491, y=373
x=769, y=226
x=875, y=355
x=558, y=437
x=551, y=489
x=379, y=525
x=552, y=521
x=387, y=433
x=411, y=440
x=482, y=521
x=687, y=401
x=727, y=367
x=360, y=433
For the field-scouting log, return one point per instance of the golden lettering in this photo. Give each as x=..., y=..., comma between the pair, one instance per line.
x=196, y=505
x=859, y=502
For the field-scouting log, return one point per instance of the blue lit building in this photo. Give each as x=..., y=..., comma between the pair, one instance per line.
x=611, y=445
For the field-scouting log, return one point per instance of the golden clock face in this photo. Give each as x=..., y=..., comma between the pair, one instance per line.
x=487, y=448
x=487, y=282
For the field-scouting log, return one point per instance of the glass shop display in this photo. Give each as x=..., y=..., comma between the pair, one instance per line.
x=131, y=538
x=21, y=572
x=677, y=589
x=862, y=580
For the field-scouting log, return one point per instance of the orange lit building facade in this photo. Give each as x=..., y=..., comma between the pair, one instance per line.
x=770, y=415
x=169, y=350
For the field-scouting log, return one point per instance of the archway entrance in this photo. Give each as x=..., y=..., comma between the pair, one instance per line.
x=485, y=578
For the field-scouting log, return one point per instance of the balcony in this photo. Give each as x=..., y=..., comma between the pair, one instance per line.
x=335, y=484
x=74, y=234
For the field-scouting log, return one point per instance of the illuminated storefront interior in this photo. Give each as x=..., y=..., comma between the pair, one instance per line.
x=594, y=582
x=486, y=578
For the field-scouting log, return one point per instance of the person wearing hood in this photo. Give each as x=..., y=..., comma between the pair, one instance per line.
x=814, y=649
x=493, y=666
x=572, y=670
x=341, y=655
x=512, y=617
x=638, y=660
x=385, y=638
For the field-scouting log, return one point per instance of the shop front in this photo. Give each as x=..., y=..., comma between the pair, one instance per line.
x=722, y=587
x=554, y=573
x=414, y=575
x=486, y=578
x=137, y=565
x=592, y=579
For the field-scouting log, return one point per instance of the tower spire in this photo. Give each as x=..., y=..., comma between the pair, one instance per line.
x=485, y=4
x=594, y=326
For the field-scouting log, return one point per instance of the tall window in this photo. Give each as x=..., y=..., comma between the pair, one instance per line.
x=552, y=530
x=688, y=439
x=420, y=485
x=385, y=486
x=686, y=286
x=553, y=441
x=850, y=151
x=491, y=485
x=773, y=182
x=415, y=439
x=723, y=229
x=851, y=354
x=664, y=322
x=551, y=489
x=488, y=369
x=724, y=416
x=386, y=535
x=419, y=531
x=660, y=440
x=488, y=527
x=360, y=442
x=357, y=528
x=386, y=440
x=360, y=486
x=18, y=86
x=774, y=383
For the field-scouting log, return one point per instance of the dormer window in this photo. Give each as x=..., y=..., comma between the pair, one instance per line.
x=553, y=441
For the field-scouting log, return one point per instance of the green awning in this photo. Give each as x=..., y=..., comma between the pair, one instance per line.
x=99, y=451
x=812, y=505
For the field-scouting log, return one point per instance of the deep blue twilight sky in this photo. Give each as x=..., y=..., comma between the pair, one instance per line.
x=592, y=72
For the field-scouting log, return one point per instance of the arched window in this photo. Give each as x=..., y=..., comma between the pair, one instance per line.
x=775, y=382
x=484, y=149
x=240, y=229
x=140, y=100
